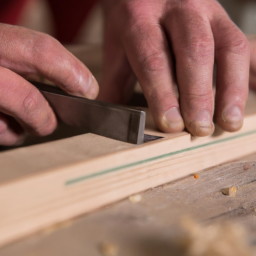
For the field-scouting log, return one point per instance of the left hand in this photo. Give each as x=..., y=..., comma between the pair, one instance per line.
x=252, y=81
x=163, y=40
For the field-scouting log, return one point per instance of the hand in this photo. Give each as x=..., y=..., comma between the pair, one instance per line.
x=162, y=41
x=252, y=81
x=22, y=106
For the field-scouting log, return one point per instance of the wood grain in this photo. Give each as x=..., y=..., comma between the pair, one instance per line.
x=147, y=228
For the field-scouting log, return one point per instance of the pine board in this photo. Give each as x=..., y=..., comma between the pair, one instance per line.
x=52, y=182
x=147, y=227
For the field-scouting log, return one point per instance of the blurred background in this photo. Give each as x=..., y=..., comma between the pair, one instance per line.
x=81, y=21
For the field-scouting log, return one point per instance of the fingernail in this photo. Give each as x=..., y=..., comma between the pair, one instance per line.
x=173, y=119
x=3, y=126
x=93, y=90
x=202, y=124
x=232, y=115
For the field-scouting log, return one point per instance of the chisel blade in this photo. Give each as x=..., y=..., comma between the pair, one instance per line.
x=105, y=119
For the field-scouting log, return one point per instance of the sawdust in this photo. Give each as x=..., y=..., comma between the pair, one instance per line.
x=218, y=239
x=60, y=225
x=247, y=166
x=108, y=249
x=135, y=198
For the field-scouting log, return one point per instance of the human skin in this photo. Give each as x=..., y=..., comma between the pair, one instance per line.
x=252, y=81
x=164, y=42
x=22, y=107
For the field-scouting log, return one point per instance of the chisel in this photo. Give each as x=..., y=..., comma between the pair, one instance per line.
x=105, y=119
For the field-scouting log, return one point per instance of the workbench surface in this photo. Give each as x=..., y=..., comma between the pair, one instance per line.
x=145, y=227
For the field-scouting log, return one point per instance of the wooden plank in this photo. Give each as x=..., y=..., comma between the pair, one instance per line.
x=59, y=180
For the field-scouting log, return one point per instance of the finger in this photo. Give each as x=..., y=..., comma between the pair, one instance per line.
x=193, y=47
x=11, y=134
x=22, y=101
x=118, y=79
x=148, y=53
x=233, y=59
x=34, y=52
x=252, y=79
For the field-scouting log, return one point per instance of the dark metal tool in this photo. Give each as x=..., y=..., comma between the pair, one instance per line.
x=110, y=120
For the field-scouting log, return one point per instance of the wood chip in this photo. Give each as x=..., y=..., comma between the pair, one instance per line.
x=108, y=249
x=247, y=166
x=135, y=198
x=218, y=239
x=196, y=176
x=57, y=226
x=231, y=191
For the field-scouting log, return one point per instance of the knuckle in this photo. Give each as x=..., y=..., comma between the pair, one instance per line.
x=203, y=45
x=32, y=112
x=156, y=97
x=153, y=62
x=200, y=49
x=30, y=103
x=235, y=42
x=40, y=47
x=241, y=46
x=198, y=96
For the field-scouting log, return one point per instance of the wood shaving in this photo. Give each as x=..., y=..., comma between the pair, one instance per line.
x=108, y=249
x=231, y=191
x=57, y=226
x=135, y=198
x=218, y=239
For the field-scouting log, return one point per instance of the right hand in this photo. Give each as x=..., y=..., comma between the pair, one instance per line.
x=22, y=106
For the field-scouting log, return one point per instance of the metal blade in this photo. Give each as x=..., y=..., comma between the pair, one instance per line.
x=109, y=120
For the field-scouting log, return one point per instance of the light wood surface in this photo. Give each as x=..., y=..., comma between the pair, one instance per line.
x=52, y=182
x=146, y=228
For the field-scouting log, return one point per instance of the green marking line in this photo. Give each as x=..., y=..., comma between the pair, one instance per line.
x=103, y=172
